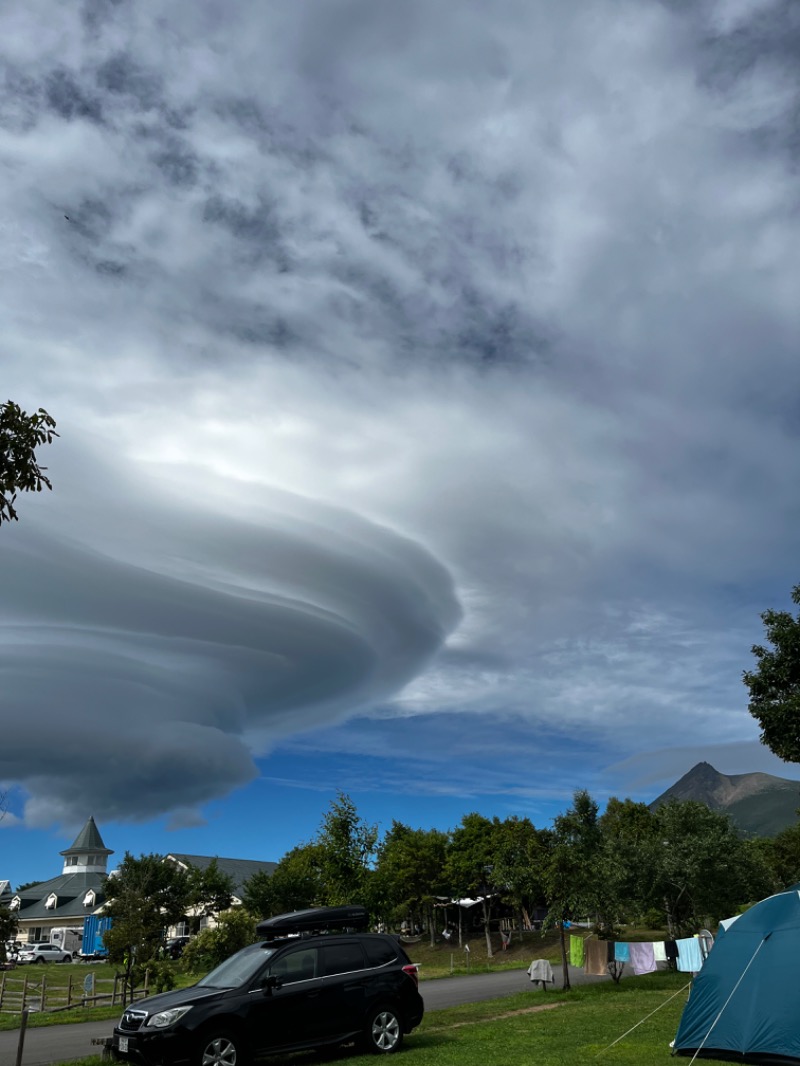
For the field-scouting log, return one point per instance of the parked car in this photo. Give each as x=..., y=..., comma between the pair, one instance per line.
x=43, y=953
x=175, y=945
x=316, y=979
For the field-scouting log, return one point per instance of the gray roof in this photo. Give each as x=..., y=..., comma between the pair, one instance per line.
x=70, y=890
x=239, y=870
x=87, y=840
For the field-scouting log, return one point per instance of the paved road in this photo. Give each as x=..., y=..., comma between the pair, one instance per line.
x=60, y=1043
x=451, y=991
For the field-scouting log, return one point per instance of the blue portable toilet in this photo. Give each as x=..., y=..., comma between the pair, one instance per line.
x=745, y=1003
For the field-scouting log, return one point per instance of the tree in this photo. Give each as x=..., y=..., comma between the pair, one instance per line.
x=775, y=683
x=296, y=883
x=470, y=866
x=8, y=928
x=347, y=847
x=209, y=891
x=20, y=435
x=519, y=862
x=409, y=874
x=700, y=870
x=235, y=929
x=145, y=896
x=628, y=832
x=781, y=854
x=571, y=875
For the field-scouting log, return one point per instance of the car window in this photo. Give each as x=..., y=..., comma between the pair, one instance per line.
x=342, y=958
x=238, y=969
x=379, y=952
x=300, y=965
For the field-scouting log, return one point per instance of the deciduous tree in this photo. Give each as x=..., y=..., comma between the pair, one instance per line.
x=8, y=929
x=774, y=685
x=20, y=435
x=347, y=848
x=470, y=867
x=145, y=896
x=295, y=884
x=409, y=874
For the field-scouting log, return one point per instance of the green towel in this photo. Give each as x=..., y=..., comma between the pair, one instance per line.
x=576, y=951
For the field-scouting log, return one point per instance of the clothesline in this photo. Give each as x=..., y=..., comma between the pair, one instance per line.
x=643, y=956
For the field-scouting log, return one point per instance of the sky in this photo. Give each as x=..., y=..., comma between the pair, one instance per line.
x=427, y=387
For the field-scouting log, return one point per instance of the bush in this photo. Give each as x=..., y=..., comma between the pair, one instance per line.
x=236, y=929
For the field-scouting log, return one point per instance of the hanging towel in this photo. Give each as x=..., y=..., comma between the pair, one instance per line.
x=690, y=958
x=596, y=958
x=622, y=952
x=671, y=949
x=576, y=950
x=642, y=959
x=659, y=951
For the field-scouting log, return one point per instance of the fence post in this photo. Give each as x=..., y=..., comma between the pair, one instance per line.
x=2, y=989
x=69, y=991
x=22, y=1026
x=146, y=982
x=114, y=993
x=24, y=991
x=43, y=994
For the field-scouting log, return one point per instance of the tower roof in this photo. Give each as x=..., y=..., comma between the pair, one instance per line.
x=88, y=839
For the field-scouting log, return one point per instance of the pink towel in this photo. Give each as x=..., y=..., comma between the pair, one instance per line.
x=642, y=958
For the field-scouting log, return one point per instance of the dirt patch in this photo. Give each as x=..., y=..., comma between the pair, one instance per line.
x=497, y=1017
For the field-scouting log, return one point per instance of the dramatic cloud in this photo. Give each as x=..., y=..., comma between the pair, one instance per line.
x=420, y=373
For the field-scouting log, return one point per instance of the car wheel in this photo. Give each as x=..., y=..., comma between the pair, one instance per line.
x=383, y=1033
x=220, y=1049
x=39, y=959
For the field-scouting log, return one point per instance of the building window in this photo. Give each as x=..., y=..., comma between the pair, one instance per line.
x=14, y=904
x=89, y=898
x=52, y=901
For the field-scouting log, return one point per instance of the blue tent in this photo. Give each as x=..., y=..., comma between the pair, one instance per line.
x=745, y=1003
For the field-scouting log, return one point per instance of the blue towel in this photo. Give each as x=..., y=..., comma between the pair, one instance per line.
x=622, y=952
x=690, y=958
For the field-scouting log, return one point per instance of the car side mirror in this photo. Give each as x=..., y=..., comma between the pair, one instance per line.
x=273, y=981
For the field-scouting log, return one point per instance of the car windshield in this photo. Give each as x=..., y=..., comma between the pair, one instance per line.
x=238, y=969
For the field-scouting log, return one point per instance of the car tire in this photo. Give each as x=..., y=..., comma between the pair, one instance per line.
x=39, y=959
x=383, y=1033
x=218, y=1047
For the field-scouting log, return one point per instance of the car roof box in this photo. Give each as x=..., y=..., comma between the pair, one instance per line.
x=314, y=920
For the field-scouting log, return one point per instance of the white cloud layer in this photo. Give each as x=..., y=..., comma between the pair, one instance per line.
x=409, y=363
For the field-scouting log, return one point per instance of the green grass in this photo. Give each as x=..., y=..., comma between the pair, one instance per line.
x=500, y=1032
x=57, y=976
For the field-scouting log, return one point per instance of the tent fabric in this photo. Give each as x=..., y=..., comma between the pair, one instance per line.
x=745, y=1002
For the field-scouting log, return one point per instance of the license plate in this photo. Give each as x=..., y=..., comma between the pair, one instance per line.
x=123, y=1043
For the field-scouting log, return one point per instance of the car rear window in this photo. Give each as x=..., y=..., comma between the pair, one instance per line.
x=342, y=958
x=379, y=952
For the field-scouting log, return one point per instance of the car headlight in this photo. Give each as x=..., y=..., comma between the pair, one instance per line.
x=166, y=1018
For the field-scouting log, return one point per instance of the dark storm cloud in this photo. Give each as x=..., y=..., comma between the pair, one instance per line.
x=247, y=633
x=512, y=299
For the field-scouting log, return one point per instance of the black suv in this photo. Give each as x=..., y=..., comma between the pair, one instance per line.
x=316, y=979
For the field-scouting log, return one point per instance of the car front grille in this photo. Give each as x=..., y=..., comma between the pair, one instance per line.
x=133, y=1020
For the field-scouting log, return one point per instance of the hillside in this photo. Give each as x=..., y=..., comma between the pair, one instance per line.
x=759, y=804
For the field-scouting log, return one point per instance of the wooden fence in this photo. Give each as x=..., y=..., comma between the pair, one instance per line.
x=37, y=993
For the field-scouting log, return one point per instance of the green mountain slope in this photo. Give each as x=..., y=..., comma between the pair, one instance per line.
x=759, y=804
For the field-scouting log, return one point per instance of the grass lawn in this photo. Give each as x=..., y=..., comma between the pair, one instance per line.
x=57, y=976
x=548, y=1028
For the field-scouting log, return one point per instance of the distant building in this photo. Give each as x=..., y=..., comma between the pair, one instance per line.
x=45, y=910
x=63, y=902
x=239, y=871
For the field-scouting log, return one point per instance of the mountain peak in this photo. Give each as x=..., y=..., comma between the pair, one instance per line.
x=758, y=803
